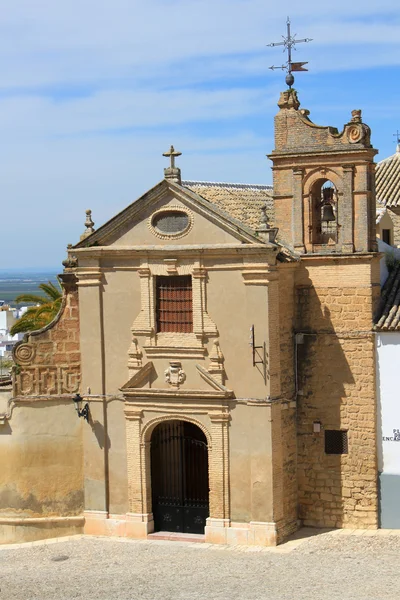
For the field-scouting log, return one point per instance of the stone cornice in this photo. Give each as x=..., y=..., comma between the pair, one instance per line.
x=176, y=394
x=328, y=153
x=181, y=250
x=354, y=256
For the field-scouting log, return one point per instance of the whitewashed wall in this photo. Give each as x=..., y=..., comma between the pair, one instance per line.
x=388, y=394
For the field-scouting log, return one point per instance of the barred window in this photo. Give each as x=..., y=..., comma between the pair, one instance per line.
x=174, y=304
x=335, y=441
x=171, y=222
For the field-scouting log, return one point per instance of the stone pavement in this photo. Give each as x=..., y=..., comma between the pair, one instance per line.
x=313, y=564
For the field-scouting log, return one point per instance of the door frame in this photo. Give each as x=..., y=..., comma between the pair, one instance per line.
x=173, y=444
x=140, y=424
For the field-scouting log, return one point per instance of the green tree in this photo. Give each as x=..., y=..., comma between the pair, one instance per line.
x=45, y=310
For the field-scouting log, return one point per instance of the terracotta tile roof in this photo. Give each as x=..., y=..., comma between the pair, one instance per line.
x=387, y=182
x=240, y=200
x=388, y=313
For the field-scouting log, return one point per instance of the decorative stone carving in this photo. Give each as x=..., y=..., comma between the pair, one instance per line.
x=172, y=209
x=356, y=116
x=289, y=99
x=216, y=368
x=357, y=131
x=89, y=224
x=264, y=231
x=70, y=379
x=24, y=354
x=175, y=375
x=354, y=134
x=135, y=357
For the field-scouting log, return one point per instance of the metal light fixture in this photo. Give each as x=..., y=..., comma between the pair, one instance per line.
x=82, y=412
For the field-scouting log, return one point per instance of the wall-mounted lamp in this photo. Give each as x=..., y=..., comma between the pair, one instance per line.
x=317, y=427
x=82, y=412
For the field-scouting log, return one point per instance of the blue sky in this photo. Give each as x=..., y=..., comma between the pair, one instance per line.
x=92, y=94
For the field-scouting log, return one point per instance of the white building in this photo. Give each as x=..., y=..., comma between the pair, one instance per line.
x=387, y=328
x=8, y=317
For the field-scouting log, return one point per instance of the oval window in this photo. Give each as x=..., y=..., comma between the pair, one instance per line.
x=171, y=222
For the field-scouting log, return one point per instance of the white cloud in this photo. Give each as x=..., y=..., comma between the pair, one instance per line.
x=76, y=76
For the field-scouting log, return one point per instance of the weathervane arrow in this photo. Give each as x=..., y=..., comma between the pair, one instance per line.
x=289, y=42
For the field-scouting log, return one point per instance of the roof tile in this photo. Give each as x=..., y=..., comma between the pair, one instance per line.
x=242, y=201
x=387, y=181
x=388, y=314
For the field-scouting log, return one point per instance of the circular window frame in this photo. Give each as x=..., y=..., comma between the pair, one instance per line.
x=170, y=236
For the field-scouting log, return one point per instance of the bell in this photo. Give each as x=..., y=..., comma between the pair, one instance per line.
x=327, y=213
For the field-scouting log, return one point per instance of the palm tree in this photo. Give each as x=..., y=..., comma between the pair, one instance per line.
x=45, y=310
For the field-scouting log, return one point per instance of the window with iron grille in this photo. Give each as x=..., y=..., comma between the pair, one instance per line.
x=335, y=441
x=174, y=304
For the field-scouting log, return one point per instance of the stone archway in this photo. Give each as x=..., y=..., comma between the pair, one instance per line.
x=139, y=434
x=179, y=477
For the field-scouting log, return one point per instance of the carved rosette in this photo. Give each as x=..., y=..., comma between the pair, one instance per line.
x=24, y=354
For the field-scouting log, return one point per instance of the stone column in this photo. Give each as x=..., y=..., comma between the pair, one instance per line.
x=346, y=211
x=297, y=211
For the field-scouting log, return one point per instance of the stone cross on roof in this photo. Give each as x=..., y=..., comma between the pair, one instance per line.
x=173, y=173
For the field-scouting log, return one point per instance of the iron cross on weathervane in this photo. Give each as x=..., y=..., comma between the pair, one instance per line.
x=172, y=154
x=397, y=136
x=288, y=43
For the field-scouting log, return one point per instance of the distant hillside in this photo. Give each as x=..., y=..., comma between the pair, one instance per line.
x=14, y=283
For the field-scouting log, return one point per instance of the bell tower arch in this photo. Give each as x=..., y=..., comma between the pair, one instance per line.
x=324, y=189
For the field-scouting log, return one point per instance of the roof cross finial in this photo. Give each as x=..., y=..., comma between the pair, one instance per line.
x=288, y=43
x=172, y=172
x=172, y=153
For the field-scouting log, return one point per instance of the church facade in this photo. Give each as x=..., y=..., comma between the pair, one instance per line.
x=221, y=336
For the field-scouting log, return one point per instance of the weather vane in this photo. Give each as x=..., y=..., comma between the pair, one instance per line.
x=397, y=136
x=288, y=43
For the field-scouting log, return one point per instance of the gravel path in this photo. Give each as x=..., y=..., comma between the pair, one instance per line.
x=327, y=566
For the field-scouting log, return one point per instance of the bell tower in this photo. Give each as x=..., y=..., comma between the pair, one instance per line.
x=324, y=189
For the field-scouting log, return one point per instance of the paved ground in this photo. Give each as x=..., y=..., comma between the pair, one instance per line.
x=328, y=566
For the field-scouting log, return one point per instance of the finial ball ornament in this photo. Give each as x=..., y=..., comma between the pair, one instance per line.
x=289, y=79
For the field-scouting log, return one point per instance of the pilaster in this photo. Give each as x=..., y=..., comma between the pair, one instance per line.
x=346, y=211
x=297, y=211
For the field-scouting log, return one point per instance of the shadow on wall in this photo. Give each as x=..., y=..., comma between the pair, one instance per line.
x=5, y=428
x=102, y=436
x=328, y=364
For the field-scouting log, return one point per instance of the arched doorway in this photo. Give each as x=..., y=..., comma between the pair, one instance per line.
x=179, y=477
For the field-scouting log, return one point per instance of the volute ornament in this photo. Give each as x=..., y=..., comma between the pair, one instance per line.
x=24, y=354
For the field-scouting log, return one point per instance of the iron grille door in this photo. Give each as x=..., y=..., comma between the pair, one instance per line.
x=179, y=476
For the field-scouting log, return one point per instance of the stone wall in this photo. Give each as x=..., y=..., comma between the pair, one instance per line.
x=394, y=214
x=284, y=435
x=48, y=360
x=41, y=479
x=336, y=387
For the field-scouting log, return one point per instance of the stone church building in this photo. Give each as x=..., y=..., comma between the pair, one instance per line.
x=221, y=338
